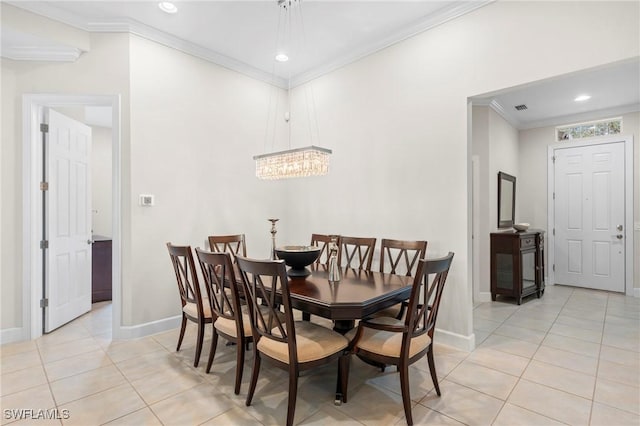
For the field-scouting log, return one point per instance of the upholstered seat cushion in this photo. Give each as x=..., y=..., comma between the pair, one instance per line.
x=192, y=310
x=387, y=343
x=313, y=342
x=228, y=326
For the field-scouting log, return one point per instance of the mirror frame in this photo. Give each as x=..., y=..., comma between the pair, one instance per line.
x=506, y=221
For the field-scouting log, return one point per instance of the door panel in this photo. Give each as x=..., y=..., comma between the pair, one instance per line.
x=589, y=205
x=68, y=219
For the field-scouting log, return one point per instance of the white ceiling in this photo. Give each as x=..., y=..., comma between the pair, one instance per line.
x=243, y=35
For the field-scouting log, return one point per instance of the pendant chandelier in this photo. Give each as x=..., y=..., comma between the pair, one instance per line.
x=297, y=162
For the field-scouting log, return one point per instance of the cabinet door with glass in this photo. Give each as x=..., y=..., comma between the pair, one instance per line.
x=517, y=265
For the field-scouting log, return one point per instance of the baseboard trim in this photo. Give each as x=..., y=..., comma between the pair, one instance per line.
x=11, y=335
x=484, y=296
x=636, y=292
x=147, y=329
x=458, y=341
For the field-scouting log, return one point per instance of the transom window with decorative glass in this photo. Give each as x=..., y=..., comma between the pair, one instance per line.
x=609, y=126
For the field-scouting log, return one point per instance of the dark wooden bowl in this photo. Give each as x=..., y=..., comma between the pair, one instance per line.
x=298, y=258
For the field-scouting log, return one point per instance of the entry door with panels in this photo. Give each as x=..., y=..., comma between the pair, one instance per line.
x=589, y=215
x=67, y=153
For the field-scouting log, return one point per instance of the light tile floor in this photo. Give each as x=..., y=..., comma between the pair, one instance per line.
x=571, y=357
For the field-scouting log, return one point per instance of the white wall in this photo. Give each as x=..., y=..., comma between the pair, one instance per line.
x=533, y=168
x=194, y=129
x=495, y=142
x=397, y=121
x=101, y=181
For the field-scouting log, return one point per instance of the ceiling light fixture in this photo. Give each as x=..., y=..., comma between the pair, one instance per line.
x=168, y=7
x=582, y=98
x=297, y=162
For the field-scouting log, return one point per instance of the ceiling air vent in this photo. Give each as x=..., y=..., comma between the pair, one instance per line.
x=521, y=107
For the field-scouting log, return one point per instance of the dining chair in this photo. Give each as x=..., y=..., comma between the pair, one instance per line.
x=400, y=257
x=231, y=321
x=194, y=307
x=323, y=241
x=234, y=244
x=352, y=246
x=292, y=346
x=386, y=340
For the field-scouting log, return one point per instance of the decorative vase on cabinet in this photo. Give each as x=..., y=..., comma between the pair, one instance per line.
x=517, y=264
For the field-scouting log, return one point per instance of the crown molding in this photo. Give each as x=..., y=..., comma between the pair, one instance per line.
x=445, y=14
x=42, y=53
x=421, y=25
x=499, y=109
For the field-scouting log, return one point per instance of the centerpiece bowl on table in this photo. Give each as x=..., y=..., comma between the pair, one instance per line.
x=298, y=258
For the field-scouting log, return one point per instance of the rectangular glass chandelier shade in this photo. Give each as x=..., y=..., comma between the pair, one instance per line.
x=292, y=163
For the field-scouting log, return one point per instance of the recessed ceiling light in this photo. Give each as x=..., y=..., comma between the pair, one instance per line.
x=281, y=57
x=167, y=6
x=582, y=98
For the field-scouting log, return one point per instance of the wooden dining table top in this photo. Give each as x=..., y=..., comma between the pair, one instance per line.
x=357, y=295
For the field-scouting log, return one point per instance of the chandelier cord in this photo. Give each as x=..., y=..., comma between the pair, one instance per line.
x=272, y=90
x=312, y=119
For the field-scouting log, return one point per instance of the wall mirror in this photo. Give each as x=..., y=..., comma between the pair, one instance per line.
x=506, y=200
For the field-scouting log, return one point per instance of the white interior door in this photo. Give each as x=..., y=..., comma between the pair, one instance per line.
x=589, y=215
x=67, y=220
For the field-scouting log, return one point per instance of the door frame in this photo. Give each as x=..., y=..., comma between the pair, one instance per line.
x=32, y=215
x=628, y=197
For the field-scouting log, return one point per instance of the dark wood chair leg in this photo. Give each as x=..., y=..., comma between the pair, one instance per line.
x=239, y=365
x=293, y=394
x=199, y=343
x=406, y=397
x=212, y=351
x=306, y=316
x=254, y=377
x=183, y=327
x=432, y=369
x=343, y=374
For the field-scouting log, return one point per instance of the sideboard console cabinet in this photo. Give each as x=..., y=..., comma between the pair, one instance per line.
x=517, y=264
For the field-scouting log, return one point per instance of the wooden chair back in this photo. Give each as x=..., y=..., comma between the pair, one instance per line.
x=426, y=295
x=356, y=252
x=233, y=244
x=323, y=241
x=186, y=276
x=266, y=285
x=401, y=257
x=221, y=285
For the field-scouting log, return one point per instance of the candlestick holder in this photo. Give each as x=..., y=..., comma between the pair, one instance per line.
x=273, y=238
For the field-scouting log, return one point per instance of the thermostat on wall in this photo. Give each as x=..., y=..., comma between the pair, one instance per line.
x=146, y=200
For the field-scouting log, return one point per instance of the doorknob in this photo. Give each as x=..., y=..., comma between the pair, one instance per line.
x=89, y=242
x=619, y=227
x=619, y=236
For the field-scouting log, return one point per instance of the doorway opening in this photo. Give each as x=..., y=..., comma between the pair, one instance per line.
x=33, y=214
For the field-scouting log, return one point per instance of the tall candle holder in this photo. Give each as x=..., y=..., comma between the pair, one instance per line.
x=273, y=238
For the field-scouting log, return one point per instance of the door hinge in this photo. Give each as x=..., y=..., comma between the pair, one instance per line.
x=554, y=195
x=44, y=186
x=44, y=128
x=554, y=267
x=554, y=231
x=44, y=303
x=553, y=158
x=44, y=244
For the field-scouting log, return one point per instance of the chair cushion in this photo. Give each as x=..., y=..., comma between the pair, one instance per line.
x=192, y=310
x=392, y=312
x=228, y=326
x=313, y=342
x=388, y=343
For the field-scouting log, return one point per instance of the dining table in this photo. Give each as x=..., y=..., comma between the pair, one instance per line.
x=359, y=294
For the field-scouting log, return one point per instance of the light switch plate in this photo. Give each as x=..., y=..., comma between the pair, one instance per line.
x=147, y=200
